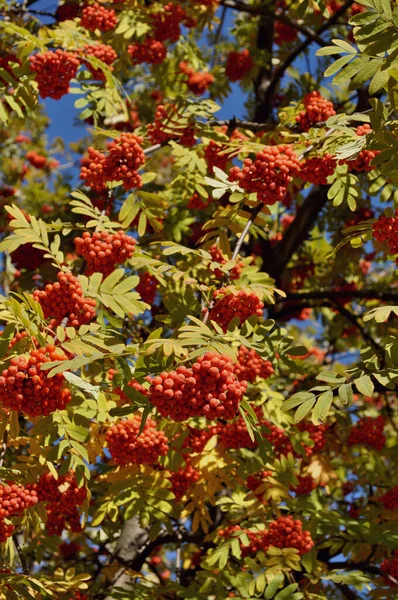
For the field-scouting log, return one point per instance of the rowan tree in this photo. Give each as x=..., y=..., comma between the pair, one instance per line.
x=199, y=351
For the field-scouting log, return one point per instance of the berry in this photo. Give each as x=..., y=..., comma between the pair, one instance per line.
x=209, y=388
x=284, y=34
x=98, y=17
x=64, y=299
x=238, y=65
x=278, y=439
x=215, y=156
x=67, y=11
x=390, y=566
x=253, y=482
x=167, y=126
x=229, y=305
x=26, y=388
x=14, y=499
x=147, y=287
x=36, y=160
x=103, y=250
x=317, y=110
x=269, y=174
x=288, y=533
x=6, y=531
x=390, y=498
x=94, y=169
x=27, y=257
x=69, y=550
x=316, y=170
x=385, y=231
x=305, y=485
x=251, y=365
x=128, y=446
x=317, y=435
x=197, y=83
x=368, y=432
x=166, y=23
x=183, y=479
x=54, y=71
x=197, y=202
x=197, y=439
x=217, y=256
x=361, y=164
x=62, y=497
x=235, y=435
x=104, y=53
x=150, y=51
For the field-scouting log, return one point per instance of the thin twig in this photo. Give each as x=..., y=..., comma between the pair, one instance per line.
x=22, y=558
x=217, y=36
x=3, y=447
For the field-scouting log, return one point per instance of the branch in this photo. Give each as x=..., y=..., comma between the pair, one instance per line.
x=355, y=321
x=251, y=125
x=329, y=294
x=362, y=566
x=346, y=591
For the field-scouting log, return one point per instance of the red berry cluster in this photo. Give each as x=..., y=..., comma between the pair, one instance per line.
x=147, y=287
x=67, y=11
x=217, y=256
x=197, y=202
x=215, y=155
x=26, y=388
x=317, y=109
x=197, y=438
x=69, y=550
x=183, y=479
x=197, y=83
x=286, y=532
x=5, y=64
x=363, y=214
x=36, y=160
x=133, y=383
x=235, y=435
x=6, y=531
x=361, y=164
x=65, y=298
x=390, y=567
x=124, y=159
x=62, y=497
x=229, y=305
x=229, y=530
x=209, y=388
x=238, y=64
x=96, y=16
x=166, y=23
x=102, y=52
x=150, y=51
x=128, y=446
x=283, y=33
x=251, y=365
x=14, y=499
x=278, y=439
x=103, y=250
x=305, y=485
x=317, y=434
x=253, y=482
x=166, y=127
x=54, y=71
x=269, y=174
x=390, y=498
x=368, y=432
x=78, y=595
x=385, y=231
x=316, y=170
x=27, y=257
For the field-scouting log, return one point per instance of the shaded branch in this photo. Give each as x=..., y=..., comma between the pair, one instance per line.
x=331, y=294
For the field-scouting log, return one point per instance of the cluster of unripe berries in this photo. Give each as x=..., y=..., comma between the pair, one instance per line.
x=238, y=64
x=24, y=387
x=390, y=498
x=65, y=299
x=368, y=432
x=198, y=83
x=228, y=305
x=147, y=287
x=62, y=497
x=385, y=231
x=269, y=174
x=166, y=126
x=128, y=446
x=103, y=250
x=124, y=159
x=209, y=388
x=14, y=499
x=54, y=71
x=316, y=110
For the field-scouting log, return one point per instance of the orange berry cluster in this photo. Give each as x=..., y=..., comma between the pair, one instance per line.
x=133, y=383
x=197, y=202
x=124, y=159
x=102, y=52
x=317, y=109
x=197, y=438
x=182, y=480
x=26, y=388
x=103, y=250
x=209, y=388
x=269, y=174
x=305, y=485
x=286, y=532
x=65, y=298
x=6, y=531
x=15, y=498
x=385, y=231
x=166, y=127
x=238, y=64
x=54, y=71
x=215, y=156
x=361, y=164
x=78, y=595
x=62, y=497
x=251, y=365
x=368, y=432
x=217, y=256
x=390, y=498
x=36, y=160
x=253, y=482
x=278, y=439
x=235, y=435
x=98, y=17
x=317, y=434
x=316, y=170
x=128, y=446
x=229, y=305
x=390, y=566
x=166, y=23
x=150, y=51
x=197, y=83
x=147, y=287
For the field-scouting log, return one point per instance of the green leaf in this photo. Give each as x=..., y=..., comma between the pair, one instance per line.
x=345, y=394
x=296, y=400
x=304, y=409
x=364, y=385
x=322, y=407
x=330, y=377
x=274, y=585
